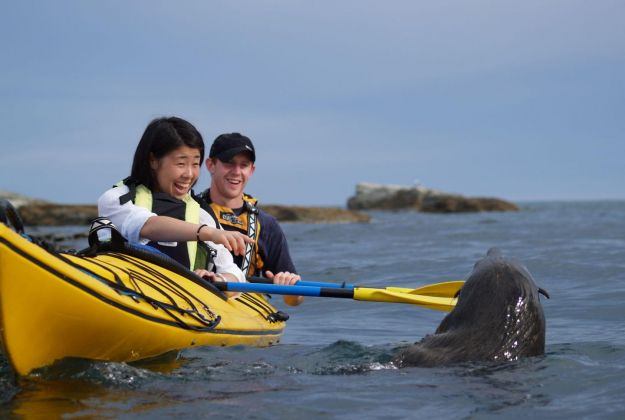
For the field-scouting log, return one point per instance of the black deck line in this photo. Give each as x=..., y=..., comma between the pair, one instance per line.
x=123, y=307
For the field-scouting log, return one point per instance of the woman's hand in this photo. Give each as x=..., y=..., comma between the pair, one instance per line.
x=234, y=242
x=287, y=279
x=205, y=274
x=213, y=277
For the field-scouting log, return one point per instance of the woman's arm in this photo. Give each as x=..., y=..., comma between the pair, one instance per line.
x=138, y=224
x=128, y=218
x=164, y=228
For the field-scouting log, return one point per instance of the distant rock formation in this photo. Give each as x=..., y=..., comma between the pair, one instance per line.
x=18, y=200
x=41, y=213
x=315, y=214
x=371, y=196
x=50, y=214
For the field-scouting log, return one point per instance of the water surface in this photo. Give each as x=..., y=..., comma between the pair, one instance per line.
x=334, y=357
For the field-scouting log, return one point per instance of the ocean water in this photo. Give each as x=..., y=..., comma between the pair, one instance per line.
x=333, y=361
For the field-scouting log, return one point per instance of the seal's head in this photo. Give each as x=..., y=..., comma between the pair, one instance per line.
x=498, y=317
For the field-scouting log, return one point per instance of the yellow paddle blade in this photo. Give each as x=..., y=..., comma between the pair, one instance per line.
x=445, y=289
x=444, y=304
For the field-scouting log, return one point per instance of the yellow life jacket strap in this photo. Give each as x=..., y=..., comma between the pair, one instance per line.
x=143, y=198
x=192, y=214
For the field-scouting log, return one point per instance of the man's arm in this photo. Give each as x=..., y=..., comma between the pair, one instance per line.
x=273, y=245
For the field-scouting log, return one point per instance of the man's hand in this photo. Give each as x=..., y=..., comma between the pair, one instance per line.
x=287, y=279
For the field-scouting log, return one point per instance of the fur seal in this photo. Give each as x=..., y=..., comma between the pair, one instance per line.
x=498, y=318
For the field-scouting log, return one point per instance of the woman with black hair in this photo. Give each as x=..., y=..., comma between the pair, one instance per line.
x=156, y=206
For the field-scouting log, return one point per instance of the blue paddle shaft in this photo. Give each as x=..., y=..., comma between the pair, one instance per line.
x=304, y=283
x=324, y=284
x=279, y=289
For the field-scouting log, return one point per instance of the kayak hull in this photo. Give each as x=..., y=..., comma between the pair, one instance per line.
x=114, y=307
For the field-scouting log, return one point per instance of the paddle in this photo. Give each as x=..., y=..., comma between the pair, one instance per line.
x=445, y=289
x=445, y=304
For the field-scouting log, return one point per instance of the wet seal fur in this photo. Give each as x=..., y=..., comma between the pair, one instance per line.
x=498, y=317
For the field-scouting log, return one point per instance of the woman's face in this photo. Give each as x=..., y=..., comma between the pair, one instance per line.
x=177, y=171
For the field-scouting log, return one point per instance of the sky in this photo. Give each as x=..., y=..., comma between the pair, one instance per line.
x=516, y=100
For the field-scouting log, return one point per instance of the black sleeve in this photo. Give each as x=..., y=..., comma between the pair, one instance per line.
x=273, y=245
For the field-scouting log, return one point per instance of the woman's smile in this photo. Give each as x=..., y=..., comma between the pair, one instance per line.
x=177, y=171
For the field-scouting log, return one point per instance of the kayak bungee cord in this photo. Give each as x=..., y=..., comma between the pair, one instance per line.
x=255, y=303
x=262, y=307
x=133, y=254
x=159, y=279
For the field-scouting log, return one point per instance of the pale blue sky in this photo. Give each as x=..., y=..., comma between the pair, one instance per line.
x=520, y=100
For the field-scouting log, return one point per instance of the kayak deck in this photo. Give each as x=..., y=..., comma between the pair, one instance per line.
x=114, y=306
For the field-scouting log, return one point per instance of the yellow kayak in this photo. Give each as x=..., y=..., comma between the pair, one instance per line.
x=115, y=306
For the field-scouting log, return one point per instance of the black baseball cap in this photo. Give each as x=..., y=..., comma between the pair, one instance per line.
x=227, y=146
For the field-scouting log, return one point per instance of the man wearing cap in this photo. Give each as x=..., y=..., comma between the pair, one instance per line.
x=231, y=164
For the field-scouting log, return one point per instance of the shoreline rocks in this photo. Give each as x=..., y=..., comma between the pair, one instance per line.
x=301, y=214
x=18, y=200
x=41, y=213
x=50, y=214
x=370, y=196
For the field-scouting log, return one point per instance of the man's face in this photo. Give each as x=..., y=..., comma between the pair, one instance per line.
x=230, y=178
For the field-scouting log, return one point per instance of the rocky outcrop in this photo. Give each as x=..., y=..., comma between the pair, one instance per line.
x=61, y=214
x=315, y=214
x=42, y=213
x=18, y=200
x=387, y=197
x=419, y=198
x=50, y=214
x=460, y=204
